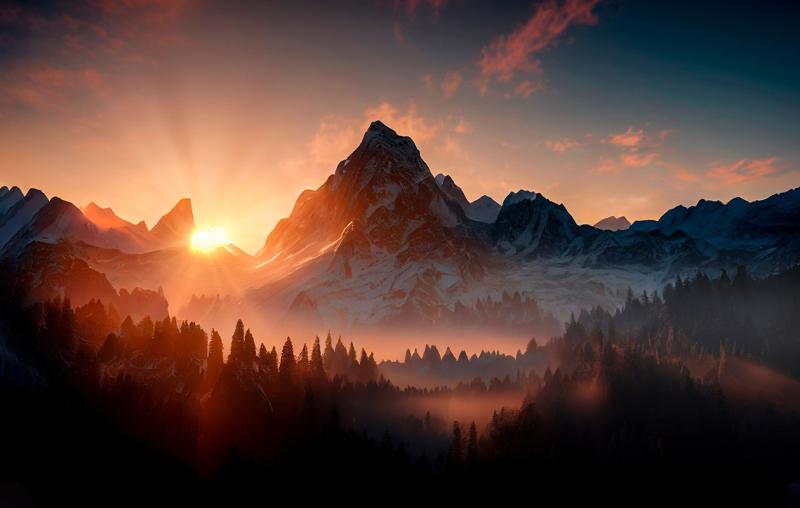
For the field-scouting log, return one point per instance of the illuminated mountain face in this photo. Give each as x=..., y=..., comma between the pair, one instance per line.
x=382, y=239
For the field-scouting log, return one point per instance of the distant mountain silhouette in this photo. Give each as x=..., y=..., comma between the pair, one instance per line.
x=613, y=223
x=175, y=228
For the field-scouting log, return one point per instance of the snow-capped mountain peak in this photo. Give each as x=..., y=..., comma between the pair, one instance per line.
x=515, y=197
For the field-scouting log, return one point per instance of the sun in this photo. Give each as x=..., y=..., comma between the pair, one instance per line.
x=206, y=240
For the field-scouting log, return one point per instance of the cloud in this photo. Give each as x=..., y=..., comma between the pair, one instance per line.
x=562, y=145
x=517, y=52
x=526, y=88
x=637, y=149
x=451, y=83
x=79, y=47
x=632, y=138
x=408, y=122
x=332, y=141
x=635, y=160
x=744, y=170
x=460, y=126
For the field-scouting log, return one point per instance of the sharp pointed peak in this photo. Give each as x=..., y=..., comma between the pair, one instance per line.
x=378, y=131
x=379, y=127
x=182, y=204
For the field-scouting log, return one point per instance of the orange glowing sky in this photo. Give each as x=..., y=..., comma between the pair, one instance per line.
x=602, y=106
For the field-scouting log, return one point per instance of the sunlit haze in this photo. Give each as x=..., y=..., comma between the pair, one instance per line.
x=207, y=240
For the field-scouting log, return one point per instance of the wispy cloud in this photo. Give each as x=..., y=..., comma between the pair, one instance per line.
x=636, y=160
x=562, y=145
x=451, y=83
x=745, y=170
x=631, y=138
x=80, y=45
x=518, y=51
x=525, y=88
x=637, y=147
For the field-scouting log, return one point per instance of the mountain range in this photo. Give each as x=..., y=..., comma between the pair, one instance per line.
x=384, y=241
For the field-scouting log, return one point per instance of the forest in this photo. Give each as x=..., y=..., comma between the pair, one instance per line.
x=690, y=392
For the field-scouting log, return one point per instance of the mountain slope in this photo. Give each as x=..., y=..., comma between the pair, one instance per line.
x=175, y=228
x=484, y=209
x=20, y=214
x=9, y=199
x=137, y=234
x=61, y=220
x=529, y=224
x=737, y=223
x=613, y=223
x=378, y=238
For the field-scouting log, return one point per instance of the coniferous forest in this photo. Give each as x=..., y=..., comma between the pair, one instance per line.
x=664, y=398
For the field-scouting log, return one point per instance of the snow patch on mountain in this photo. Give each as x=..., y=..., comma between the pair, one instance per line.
x=515, y=197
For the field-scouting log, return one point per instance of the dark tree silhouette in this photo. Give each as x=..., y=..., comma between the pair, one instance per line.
x=215, y=355
x=249, y=349
x=237, y=344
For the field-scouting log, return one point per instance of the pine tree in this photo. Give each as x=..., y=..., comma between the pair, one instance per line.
x=237, y=344
x=273, y=361
x=328, y=355
x=215, y=355
x=351, y=357
x=456, y=453
x=129, y=331
x=249, y=350
x=303, y=366
x=145, y=333
x=472, y=444
x=317, y=365
x=287, y=369
x=263, y=358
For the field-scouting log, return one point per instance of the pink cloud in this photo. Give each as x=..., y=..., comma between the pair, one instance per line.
x=744, y=170
x=408, y=122
x=561, y=145
x=632, y=138
x=516, y=52
x=451, y=83
x=634, y=160
x=526, y=88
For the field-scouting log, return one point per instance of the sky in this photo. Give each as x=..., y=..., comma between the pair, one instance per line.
x=613, y=107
